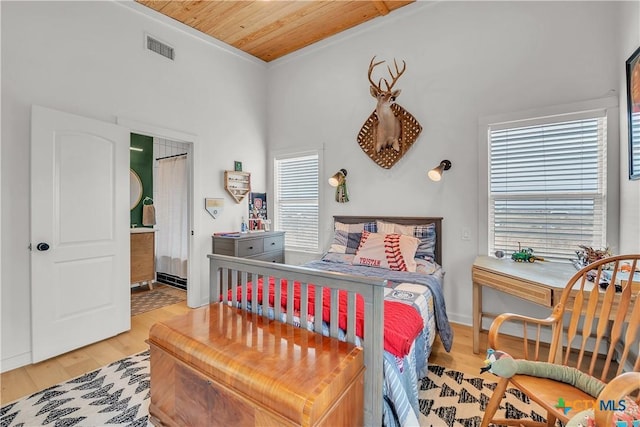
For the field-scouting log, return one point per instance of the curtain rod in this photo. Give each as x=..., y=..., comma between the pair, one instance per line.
x=168, y=157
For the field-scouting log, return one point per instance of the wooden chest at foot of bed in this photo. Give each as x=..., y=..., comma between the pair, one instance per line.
x=219, y=365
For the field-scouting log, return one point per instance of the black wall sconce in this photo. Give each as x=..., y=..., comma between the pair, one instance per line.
x=339, y=180
x=435, y=174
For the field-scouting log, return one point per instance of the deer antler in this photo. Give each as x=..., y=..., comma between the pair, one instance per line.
x=371, y=67
x=397, y=76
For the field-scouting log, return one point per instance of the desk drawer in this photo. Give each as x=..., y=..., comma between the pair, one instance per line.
x=513, y=286
x=250, y=247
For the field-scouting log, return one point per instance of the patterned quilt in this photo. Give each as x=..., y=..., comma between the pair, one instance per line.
x=401, y=375
x=431, y=281
x=421, y=291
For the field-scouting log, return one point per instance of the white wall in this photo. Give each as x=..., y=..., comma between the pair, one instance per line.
x=629, y=190
x=465, y=60
x=87, y=58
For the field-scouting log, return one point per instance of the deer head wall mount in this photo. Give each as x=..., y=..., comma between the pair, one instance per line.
x=390, y=130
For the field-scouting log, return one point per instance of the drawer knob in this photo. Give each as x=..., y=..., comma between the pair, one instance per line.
x=250, y=247
x=273, y=243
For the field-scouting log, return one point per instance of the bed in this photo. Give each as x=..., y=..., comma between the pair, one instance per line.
x=352, y=287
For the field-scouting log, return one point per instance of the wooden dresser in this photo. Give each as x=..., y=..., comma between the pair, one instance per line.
x=264, y=246
x=222, y=366
x=143, y=258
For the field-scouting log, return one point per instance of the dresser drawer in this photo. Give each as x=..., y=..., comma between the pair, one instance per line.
x=224, y=246
x=265, y=246
x=274, y=256
x=250, y=247
x=273, y=243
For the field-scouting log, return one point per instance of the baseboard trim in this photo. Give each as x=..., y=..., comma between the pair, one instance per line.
x=15, y=362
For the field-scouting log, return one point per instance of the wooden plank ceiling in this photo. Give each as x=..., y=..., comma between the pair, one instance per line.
x=271, y=29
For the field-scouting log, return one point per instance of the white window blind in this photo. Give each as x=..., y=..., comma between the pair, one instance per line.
x=547, y=186
x=634, y=151
x=296, y=185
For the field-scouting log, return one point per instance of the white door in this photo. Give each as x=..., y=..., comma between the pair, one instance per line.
x=80, y=291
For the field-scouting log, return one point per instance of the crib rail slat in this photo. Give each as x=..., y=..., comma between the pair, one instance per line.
x=317, y=319
x=290, y=301
x=333, y=323
x=304, y=305
x=254, y=295
x=222, y=268
x=351, y=317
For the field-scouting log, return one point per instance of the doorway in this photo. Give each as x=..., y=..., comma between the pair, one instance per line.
x=171, y=189
x=196, y=293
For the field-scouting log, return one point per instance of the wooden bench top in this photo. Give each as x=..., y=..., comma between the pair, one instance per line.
x=271, y=362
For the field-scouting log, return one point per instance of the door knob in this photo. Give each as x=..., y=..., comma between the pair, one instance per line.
x=42, y=246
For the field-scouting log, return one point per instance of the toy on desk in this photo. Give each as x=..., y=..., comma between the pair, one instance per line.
x=525, y=255
x=621, y=276
x=586, y=255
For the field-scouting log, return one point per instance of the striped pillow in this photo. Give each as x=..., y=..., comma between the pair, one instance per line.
x=390, y=251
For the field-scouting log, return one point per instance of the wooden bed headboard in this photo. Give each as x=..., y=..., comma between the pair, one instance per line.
x=403, y=220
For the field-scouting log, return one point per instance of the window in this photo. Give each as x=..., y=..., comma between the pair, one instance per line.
x=296, y=199
x=547, y=184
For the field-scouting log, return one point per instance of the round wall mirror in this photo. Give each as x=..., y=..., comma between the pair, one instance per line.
x=135, y=189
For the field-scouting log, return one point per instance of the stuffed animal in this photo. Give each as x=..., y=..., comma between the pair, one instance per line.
x=503, y=365
x=503, y=369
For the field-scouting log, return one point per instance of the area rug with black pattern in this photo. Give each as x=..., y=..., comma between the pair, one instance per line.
x=118, y=394
x=452, y=398
x=143, y=300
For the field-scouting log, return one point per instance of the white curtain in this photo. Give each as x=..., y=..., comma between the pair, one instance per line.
x=171, y=216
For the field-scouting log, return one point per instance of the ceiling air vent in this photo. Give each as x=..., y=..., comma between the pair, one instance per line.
x=160, y=48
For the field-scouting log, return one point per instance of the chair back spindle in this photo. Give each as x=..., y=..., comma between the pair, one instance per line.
x=601, y=325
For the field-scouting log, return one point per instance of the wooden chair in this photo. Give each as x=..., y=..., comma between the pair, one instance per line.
x=621, y=386
x=588, y=329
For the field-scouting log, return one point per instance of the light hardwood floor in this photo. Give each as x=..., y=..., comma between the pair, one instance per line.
x=28, y=379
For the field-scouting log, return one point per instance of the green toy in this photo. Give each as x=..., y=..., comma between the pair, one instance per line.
x=525, y=255
x=503, y=365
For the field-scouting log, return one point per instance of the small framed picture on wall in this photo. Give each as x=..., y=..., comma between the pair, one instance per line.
x=237, y=166
x=258, y=212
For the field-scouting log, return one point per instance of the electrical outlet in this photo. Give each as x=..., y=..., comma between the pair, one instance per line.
x=465, y=234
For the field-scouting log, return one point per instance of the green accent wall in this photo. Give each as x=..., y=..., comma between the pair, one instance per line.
x=142, y=163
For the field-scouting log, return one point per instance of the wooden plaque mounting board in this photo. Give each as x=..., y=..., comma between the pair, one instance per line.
x=387, y=157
